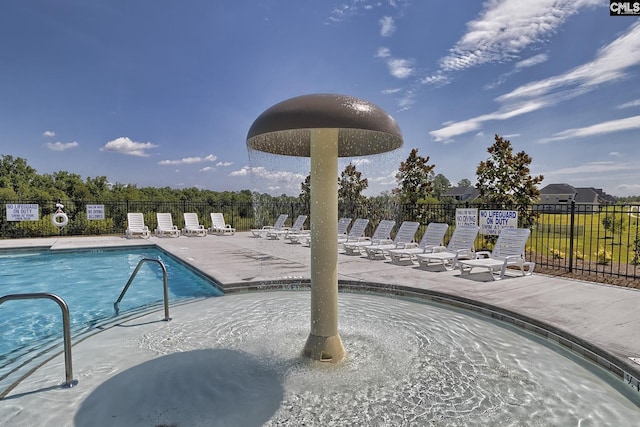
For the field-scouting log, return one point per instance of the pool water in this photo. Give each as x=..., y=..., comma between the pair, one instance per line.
x=89, y=282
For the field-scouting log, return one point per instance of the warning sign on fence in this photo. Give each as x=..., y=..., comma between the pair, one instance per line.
x=95, y=212
x=22, y=212
x=491, y=222
x=466, y=217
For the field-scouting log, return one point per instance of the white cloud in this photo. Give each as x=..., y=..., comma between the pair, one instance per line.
x=630, y=189
x=207, y=169
x=351, y=8
x=593, y=168
x=48, y=134
x=459, y=128
x=519, y=66
x=400, y=68
x=360, y=161
x=289, y=180
x=610, y=64
x=530, y=62
x=224, y=163
x=124, y=145
x=614, y=154
x=630, y=104
x=383, y=52
x=61, y=146
x=597, y=129
x=387, y=26
x=189, y=160
x=391, y=91
x=384, y=180
x=504, y=29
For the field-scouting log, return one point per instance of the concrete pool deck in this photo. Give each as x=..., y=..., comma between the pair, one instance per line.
x=600, y=317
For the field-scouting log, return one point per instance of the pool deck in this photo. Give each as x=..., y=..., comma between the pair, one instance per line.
x=599, y=316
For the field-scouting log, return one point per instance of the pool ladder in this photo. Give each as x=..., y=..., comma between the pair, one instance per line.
x=66, y=329
x=165, y=285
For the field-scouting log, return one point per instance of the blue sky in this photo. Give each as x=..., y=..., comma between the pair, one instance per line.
x=162, y=93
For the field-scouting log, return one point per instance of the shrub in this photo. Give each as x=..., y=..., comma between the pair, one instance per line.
x=556, y=254
x=603, y=256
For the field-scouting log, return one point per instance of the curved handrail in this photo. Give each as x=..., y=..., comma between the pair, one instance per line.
x=165, y=284
x=66, y=329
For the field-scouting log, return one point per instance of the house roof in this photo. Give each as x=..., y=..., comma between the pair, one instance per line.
x=558, y=189
x=582, y=194
x=463, y=193
x=586, y=195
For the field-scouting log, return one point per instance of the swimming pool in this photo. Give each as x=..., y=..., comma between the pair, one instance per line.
x=90, y=282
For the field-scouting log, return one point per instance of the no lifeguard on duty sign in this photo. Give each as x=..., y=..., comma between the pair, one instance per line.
x=624, y=8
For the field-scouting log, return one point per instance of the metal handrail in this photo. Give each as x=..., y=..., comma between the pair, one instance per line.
x=165, y=284
x=66, y=329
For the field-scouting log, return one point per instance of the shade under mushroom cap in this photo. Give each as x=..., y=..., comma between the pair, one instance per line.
x=364, y=128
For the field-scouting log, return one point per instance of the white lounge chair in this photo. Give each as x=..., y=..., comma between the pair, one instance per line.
x=218, y=226
x=356, y=233
x=404, y=236
x=304, y=236
x=460, y=247
x=382, y=234
x=296, y=227
x=508, y=251
x=433, y=236
x=192, y=226
x=136, y=227
x=165, y=225
x=343, y=227
x=278, y=225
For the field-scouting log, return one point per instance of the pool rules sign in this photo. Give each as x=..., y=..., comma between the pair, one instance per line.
x=23, y=212
x=492, y=221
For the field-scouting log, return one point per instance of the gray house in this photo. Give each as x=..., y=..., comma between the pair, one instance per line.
x=558, y=198
x=462, y=194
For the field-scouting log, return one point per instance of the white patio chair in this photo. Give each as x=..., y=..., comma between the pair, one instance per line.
x=278, y=225
x=460, y=247
x=433, y=236
x=192, y=226
x=296, y=227
x=508, y=251
x=136, y=227
x=404, y=236
x=382, y=234
x=356, y=233
x=219, y=226
x=304, y=236
x=165, y=225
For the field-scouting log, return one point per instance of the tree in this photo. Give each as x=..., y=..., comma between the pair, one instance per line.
x=305, y=191
x=613, y=224
x=505, y=180
x=350, y=188
x=415, y=179
x=16, y=174
x=351, y=184
x=464, y=182
x=440, y=186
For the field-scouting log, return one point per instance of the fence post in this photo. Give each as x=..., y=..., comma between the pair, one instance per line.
x=571, y=234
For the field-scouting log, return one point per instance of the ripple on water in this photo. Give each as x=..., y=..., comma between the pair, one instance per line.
x=407, y=363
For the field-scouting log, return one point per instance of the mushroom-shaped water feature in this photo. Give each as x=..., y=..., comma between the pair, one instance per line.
x=324, y=127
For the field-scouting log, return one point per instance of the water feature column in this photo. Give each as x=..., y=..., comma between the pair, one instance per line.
x=324, y=127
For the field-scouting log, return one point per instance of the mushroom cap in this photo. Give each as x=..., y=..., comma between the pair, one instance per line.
x=285, y=128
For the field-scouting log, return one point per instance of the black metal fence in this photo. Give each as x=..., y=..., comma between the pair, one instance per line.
x=580, y=239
